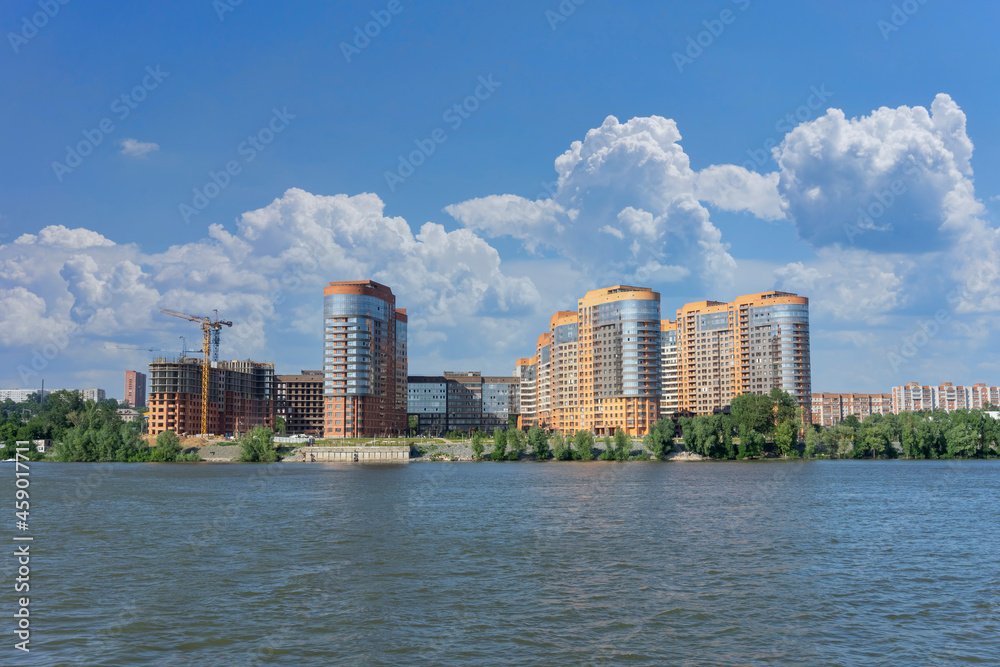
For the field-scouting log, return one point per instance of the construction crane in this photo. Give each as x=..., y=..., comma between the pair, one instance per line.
x=135, y=348
x=210, y=334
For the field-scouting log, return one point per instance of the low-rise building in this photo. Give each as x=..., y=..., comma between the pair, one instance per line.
x=129, y=415
x=462, y=401
x=830, y=408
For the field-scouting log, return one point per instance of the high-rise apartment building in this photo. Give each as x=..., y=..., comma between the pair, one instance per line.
x=240, y=396
x=597, y=368
x=564, y=401
x=669, y=405
x=543, y=392
x=298, y=400
x=619, y=360
x=135, y=389
x=526, y=372
x=750, y=345
x=615, y=363
x=364, y=360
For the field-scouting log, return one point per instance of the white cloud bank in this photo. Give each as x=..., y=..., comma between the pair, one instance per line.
x=885, y=202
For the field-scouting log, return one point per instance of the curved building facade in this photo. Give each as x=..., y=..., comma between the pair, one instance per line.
x=364, y=360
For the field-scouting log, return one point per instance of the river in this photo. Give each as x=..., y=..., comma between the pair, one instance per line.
x=769, y=563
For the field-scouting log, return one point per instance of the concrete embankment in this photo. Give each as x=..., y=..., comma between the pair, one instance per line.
x=388, y=454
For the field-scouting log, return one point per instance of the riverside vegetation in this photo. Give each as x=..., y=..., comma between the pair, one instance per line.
x=767, y=426
x=758, y=426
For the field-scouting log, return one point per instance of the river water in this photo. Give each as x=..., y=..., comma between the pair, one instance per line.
x=797, y=563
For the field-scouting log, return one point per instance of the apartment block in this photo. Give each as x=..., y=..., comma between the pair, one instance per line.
x=669, y=402
x=462, y=401
x=526, y=372
x=20, y=395
x=299, y=401
x=240, y=396
x=750, y=345
x=92, y=394
x=564, y=402
x=913, y=397
x=597, y=368
x=364, y=360
x=135, y=389
x=543, y=392
x=829, y=409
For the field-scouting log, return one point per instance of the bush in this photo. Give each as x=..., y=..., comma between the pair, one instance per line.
x=257, y=446
x=168, y=447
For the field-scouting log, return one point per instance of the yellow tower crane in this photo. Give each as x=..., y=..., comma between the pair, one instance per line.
x=210, y=352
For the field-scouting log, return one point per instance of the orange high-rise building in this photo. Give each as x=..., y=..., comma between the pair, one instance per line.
x=543, y=393
x=751, y=345
x=619, y=359
x=669, y=406
x=565, y=399
x=526, y=372
x=364, y=360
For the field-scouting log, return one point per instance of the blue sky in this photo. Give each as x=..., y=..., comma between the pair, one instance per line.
x=680, y=190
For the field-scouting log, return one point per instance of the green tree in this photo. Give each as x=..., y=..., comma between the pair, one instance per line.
x=584, y=441
x=839, y=440
x=814, y=443
x=786, y=407
x=659, y=440
x=852, y=422
x=412, y=424
x=753, y=412
x=515, y=444
x=477, y=445
x=257, y=446
x=499, y=452
x=872, y=439
x=279, y=424
x=511, y=422
x=623, y=445
x=168, y=447
x=751, y=443
x=539, y=443
x=786, y=438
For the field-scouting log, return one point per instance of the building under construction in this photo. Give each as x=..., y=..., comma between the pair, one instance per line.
x=240, y=396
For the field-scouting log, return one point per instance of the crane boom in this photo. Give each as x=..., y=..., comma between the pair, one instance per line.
x=208, y=328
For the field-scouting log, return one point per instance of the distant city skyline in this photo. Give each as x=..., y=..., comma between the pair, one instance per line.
x=702, y=151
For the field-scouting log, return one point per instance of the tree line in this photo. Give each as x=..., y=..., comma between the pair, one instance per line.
x=83, y=430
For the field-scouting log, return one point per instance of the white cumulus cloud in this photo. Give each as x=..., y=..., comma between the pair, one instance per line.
x=136, y=148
